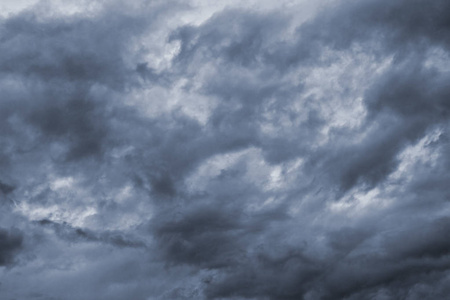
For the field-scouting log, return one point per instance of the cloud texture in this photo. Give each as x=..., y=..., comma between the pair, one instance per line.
x=188, y=150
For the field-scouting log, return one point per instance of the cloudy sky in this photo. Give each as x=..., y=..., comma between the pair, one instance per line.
x=264, y=150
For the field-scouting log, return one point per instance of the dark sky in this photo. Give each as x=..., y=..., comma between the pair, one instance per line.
x=266, y=150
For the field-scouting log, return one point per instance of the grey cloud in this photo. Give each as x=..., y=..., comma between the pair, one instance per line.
x=60, y=50
x=230, y=167
x=71, y=234
x=409, y=258
x=10, y=245
x=6, y=188
x=243, y=42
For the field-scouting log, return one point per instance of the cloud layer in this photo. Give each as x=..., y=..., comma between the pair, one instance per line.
x=185, y=150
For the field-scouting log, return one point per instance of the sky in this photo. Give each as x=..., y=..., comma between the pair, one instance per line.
x=229, y=150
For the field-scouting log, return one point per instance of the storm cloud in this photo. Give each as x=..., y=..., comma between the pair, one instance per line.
x=196, y=150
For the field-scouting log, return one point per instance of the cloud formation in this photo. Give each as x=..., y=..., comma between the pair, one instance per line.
x=184, y=150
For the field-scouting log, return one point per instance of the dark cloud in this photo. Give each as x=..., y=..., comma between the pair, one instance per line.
x=6, y=188
x=67, y=232
x=173, y=151
x=59, y=50
x=10, y=244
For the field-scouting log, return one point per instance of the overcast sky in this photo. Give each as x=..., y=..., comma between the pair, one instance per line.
x=262, y=150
